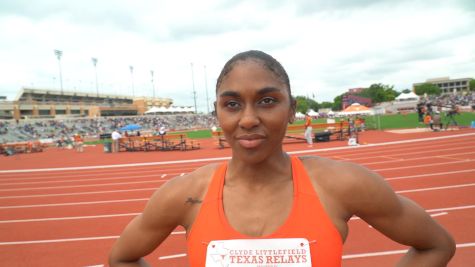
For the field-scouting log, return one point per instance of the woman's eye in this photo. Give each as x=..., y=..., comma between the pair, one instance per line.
x=268, y=100
x=232, y=104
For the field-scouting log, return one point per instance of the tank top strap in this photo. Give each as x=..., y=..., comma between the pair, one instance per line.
x=302, y=182
x=216, y=184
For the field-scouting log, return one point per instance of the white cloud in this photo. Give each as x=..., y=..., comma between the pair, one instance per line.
x=326, y=46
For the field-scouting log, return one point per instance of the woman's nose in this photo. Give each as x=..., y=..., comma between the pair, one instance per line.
x=249, y=118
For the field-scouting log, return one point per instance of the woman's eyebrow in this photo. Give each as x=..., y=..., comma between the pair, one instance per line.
x=229, y=93
x=266, y=90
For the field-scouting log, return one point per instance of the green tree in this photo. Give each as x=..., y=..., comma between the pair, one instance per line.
x=337, y=103
x=428, y=88
x=472, y=85
x=380, y=93
x=304, y=104
x=326, y=104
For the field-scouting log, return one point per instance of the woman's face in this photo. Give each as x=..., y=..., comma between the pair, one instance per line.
x=253, y=108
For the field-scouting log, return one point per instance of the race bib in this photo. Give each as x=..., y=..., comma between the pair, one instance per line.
x=259, y=253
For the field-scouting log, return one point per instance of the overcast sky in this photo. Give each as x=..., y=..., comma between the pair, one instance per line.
x=326, y=46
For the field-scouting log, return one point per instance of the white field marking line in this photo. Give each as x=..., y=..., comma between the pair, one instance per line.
x=78, y=186
x=422, y=165
x=413, y=159
x=435, y=188
x=88, y=180
x=154, y=188
x=182, y=174
x=172, y=256
x=438, y=214
x=70, y=239
x=393, y=252
x=60, y=175
x=404, y=154
x=377, y=149
x=74, y=203
x=449, y=158
x=80, y=193
x=226, y=158
x=354, y=217
x=70, y=218
x=388, y=157
x=404, y=150
x=82, y=180
x=97, y=265
x=428, y=174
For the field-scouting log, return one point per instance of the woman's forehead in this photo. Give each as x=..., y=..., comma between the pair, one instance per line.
x=251, y=71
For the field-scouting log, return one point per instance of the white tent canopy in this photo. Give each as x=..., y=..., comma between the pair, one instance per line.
x=407, y=97
x=312, y=113
x=172, y=109
x=299, y=115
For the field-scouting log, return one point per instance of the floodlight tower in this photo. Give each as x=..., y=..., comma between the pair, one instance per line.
x=193, y=83
x=153, y=86
x=94, y=62
x=58, y=54
x=206, y=88
x=131, y=68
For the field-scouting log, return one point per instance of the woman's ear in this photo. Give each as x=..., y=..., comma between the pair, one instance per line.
x=293, y=108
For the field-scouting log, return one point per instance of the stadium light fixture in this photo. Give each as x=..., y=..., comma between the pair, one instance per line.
x=94, y=62
x=58, y=54
x=131, y=68
x=153, y=87
x=193, y=83
x=206, y=88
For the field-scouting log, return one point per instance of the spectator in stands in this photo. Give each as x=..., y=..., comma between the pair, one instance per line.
x=308, y=129
x=115, y=140
x=264, y=198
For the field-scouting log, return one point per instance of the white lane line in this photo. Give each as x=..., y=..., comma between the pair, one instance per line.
x=65, y=180
x=428, y=174
x=154, y=188
x=433, y=210
x=172, y=256
x=412, y=159
x=182, y=174
x=80, y=193
x=70, y=218
x=435, y=188
x=98, y=265
x=226, y=158
x=163, y=175
x=422, y=165
x=439, y=214
x=393, y=252
x=69, y=239
x=74, y=203
x=78, y=186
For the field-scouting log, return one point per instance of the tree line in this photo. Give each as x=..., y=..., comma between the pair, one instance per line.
x=377, y=92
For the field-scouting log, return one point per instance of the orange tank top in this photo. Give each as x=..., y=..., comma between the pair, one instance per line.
x=307, y=219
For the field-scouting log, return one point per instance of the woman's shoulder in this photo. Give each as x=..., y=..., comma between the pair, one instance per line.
x=193, y=182
x=336, y=175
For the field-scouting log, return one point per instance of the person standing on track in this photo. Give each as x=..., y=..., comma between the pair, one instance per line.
x=263, y=199
x=308, y=130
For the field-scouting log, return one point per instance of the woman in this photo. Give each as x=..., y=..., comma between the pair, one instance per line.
x=265, y=207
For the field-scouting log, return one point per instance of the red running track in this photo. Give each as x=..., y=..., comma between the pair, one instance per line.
x=62, y=208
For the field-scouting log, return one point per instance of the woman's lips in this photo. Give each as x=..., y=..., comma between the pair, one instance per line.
x=250, y=143
x=250, y=140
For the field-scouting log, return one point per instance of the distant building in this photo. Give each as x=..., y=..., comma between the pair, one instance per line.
x=46, y=103
x=351, y=97
x=448, y=85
